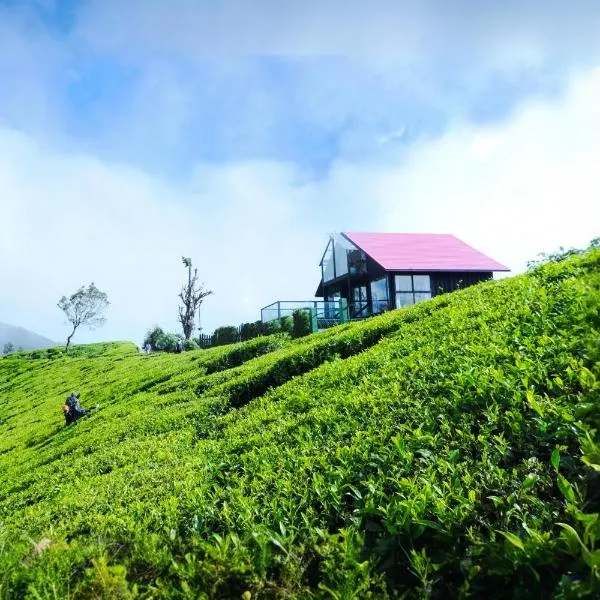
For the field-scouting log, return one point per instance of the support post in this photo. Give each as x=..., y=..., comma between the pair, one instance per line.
x=314, y=322
x=343, y=304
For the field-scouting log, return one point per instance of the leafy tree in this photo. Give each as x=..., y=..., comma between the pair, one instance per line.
x=161, y=340
x=192, y=296
x=84, y=307
x=8, y=348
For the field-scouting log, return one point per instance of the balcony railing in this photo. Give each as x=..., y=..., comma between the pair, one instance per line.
x=324, y=313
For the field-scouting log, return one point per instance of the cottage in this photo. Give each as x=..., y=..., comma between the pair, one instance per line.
x=375, y=272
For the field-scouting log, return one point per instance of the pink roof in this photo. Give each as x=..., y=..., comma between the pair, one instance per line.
x=422, y=252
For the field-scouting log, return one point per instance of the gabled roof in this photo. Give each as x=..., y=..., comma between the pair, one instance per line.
x=422, y=252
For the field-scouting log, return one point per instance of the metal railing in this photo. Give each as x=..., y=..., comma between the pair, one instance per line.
x=324, y=313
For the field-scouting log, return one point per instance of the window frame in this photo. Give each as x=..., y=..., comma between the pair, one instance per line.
x=401, y=290
x=387, y=302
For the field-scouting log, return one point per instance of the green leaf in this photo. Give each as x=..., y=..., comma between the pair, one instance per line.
x=555, y=459
x=586, y=379
x=574, y=541
x=515, y=540
x=566, y=488
x=497, y=500
x=431, y=524
x=570, y=534
x=529, y=482
x=535, y=405
x=590, y=464
x=277, y=543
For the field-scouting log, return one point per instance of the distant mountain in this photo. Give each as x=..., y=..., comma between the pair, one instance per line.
x=22, y=338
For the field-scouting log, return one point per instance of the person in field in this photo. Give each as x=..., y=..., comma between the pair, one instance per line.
x=73, y=410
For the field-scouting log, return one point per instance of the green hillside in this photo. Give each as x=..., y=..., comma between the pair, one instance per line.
x=444, y=450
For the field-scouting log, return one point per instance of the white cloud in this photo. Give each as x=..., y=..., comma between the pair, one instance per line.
x=66, y=220
x=513, y=190
x=501, y=34
x=30, y=68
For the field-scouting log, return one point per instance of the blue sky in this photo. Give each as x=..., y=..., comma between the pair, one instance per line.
x=241, y=134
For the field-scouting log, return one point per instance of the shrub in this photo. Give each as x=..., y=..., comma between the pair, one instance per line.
x=190, y=345
x=272, y=327
x=225, y=335
x=301, y=323
x=287, y=324
x=249, y=331
x=154, y=337
x=161, y=341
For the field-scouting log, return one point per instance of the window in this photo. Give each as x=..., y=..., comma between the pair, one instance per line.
x=404, y=283
x=379, y=295
x=341, y=258
x=404, y=299
x=359, y=306
x=357, y=261
x=421, y=283
x=359, y=293
x=411, y=289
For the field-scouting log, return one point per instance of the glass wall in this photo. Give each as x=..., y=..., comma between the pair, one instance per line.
x=327, y=264
x=411, y=289
x=348, y=258
x=379, y=295
x=342, y=257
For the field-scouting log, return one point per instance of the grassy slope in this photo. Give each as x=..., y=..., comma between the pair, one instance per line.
x=397, y=455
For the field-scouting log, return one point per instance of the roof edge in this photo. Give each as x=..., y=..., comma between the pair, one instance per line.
x=503, y=268
x=361, y=248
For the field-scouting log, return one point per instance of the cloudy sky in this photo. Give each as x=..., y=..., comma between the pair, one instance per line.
x=241, y=133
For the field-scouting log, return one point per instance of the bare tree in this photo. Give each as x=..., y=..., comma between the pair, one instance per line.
x=192, y=296
x=84, y=307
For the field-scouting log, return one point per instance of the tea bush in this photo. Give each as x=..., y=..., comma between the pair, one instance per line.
x=449, y=449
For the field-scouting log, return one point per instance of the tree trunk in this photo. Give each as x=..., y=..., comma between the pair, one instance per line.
x=189, y=317
x=69, y=340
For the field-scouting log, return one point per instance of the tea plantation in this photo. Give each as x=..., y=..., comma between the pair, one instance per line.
x=447, y=450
